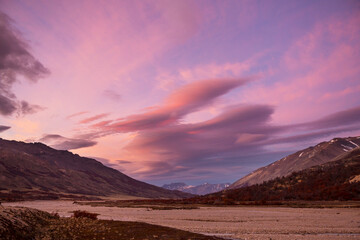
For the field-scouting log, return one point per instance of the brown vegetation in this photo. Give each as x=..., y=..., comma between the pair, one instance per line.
x=85, y=214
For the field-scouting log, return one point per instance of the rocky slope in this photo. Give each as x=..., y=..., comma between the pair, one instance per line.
x=202, y=189
x=321, y=153
x=39, y=169
x=22, y=223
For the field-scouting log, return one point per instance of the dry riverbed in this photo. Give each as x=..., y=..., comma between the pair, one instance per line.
x=230, y=222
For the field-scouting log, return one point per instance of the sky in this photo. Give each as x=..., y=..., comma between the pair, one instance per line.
x=180, y=91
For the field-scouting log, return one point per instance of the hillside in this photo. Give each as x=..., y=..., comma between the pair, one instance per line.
x=312, y=156
x=202, y=189
x=335, y=180
x=34, y=169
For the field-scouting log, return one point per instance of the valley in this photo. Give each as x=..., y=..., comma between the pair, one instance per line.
x=318, y=202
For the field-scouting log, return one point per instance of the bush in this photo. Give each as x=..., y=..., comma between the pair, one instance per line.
x=85, y=214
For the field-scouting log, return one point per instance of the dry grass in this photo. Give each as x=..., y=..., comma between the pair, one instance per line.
x=185, y=204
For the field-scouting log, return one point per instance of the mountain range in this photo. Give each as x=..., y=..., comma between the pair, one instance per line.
x=336, y=180
x=202, y=189
x=321, y=153
x=34, y=169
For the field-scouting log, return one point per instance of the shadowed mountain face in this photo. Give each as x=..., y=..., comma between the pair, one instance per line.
x=322, y=153
x=37, y=167
x=335, y=180
x=202, y=189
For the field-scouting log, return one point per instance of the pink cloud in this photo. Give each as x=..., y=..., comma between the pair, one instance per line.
x=237, y=133
x=181, y=102
x=94, y=118
x=76, y=114
x=168, y=80
x=341, y=93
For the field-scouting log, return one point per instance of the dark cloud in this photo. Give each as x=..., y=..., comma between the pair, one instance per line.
x=245, y=117
x=161, y=169
x=62, y=143
x=123, y=162
x=15, y=59
x=106, y=162
x=4, y=128
x=310, y=136
x=342, y=118
x=7, y=106
x=27, y=108
x=343, y=121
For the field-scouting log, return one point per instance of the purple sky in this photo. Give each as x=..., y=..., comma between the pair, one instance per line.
x=192, y=91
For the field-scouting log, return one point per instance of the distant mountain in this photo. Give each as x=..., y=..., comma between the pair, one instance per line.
x=28, y=169
x=176, y=186
x=312, y=156
x=202, y=189
x=336, y=180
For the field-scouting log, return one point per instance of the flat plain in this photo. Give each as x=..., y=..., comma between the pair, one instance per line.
x=239, y=222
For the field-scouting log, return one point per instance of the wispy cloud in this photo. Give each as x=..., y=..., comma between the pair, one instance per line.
x=94, y=118
x=76, y=114
x=169, y=80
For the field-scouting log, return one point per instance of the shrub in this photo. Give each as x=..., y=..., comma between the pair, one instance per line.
x=85, y=214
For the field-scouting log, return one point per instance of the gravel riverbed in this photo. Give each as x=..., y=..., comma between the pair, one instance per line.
x=230, y=222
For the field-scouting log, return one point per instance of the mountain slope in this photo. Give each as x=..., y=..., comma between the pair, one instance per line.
x=202, y=189
x=37, y=167
x=335, y=180
x=312, y=156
